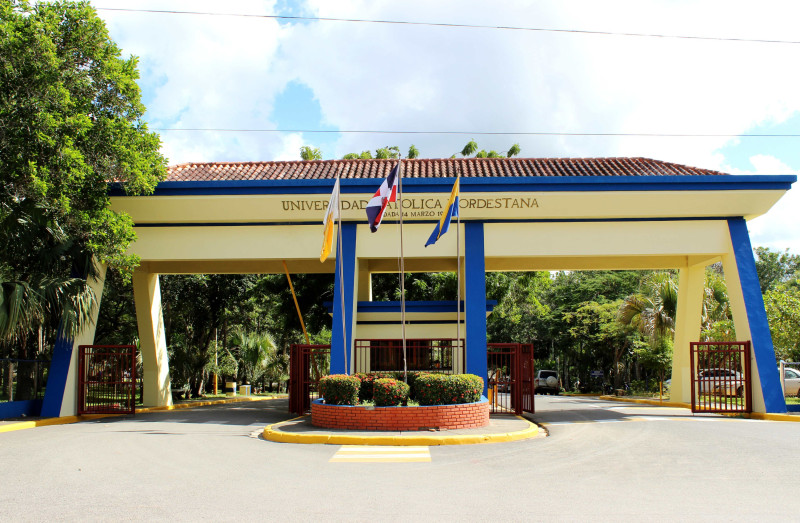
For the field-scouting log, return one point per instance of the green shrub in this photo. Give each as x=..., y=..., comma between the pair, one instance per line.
x=365, y=391
x=448, y=389
x=367, y=380
x=340, y=389
x=412, y=382
x=389, y=392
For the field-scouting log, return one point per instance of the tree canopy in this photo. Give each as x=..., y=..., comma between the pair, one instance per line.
x=71, y=122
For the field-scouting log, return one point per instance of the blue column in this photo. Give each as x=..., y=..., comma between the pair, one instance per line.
x=57, y=377
x=344, y=284
x=757, y=317
x=475, y=313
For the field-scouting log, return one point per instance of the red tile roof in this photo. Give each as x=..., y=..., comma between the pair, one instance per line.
x=430, y=168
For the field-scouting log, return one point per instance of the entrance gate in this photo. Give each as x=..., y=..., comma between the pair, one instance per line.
x=107, y=379
x=510, y=382
x=307, y=364
x=721, y=377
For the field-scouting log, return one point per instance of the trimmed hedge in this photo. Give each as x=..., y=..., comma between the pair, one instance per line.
x=340, y=389
x=448, y=389
x=389, y=392
x=365, y=392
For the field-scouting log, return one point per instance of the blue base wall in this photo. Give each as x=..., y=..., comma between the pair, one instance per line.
x=16, y=409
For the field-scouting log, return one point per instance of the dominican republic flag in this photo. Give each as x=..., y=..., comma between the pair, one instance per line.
x=384, y=195
x=450, y=212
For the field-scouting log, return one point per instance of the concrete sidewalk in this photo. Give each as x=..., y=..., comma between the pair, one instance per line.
x=501, y=428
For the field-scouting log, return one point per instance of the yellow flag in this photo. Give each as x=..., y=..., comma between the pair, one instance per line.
x=331, y=215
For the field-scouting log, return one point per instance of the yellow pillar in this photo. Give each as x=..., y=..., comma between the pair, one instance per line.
x=152, y=339
x=69, y=404
x=364, y=281
x=688, y=322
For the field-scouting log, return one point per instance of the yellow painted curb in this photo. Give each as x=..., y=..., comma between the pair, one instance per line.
x=752, y=415
x=51, y=421
x=65, y=420
x=657, y=403
x=774, y=417
x=271, y=434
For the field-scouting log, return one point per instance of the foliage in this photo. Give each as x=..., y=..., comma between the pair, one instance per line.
x=470, y=148
x=652, y=311
x=339, y=389
x=521, y=312
x=655, y=354
x=389, y=392
x=364, y=155
x=413, y=152
x=774, y=267
x=783, y=312
x=365, y=389
x=70, y=122
x=308, y=153
x=255, y=352
x=448, y=389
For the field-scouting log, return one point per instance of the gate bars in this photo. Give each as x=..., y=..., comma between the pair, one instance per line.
x=107, y=379
x=510, y=385
x=307, y=364
x=720, y=377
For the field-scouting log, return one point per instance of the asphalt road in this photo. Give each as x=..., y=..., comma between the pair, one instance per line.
x=602, y=461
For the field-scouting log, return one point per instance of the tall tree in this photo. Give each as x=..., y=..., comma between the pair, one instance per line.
x=775, y=267
x=71, y=121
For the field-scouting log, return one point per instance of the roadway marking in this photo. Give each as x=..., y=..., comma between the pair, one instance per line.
x=380, y=454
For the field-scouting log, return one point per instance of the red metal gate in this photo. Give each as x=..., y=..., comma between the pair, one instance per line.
x=107, y=379
x=307, y=364
x=721, y=376
x=510, y=384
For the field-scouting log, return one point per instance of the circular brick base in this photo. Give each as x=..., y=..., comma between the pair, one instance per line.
x=465, y=416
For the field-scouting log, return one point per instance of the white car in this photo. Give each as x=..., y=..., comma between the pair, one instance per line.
x=791, y=381
x=546, y=382
x=722, y=382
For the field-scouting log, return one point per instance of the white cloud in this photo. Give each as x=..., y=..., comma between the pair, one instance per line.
x=225, y=72
x=777, y=228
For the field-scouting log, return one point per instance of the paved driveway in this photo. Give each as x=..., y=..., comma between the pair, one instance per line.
x=602, y=460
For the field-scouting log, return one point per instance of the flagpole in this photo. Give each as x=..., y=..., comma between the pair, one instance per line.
x=340, y=262
x=402, y=267
x=458, y=259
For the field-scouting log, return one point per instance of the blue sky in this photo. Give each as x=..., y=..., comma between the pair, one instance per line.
x=224, y=72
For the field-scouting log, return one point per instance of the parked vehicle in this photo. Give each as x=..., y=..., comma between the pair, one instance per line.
x=791, y=381
x=722, y=382
x=546, y=382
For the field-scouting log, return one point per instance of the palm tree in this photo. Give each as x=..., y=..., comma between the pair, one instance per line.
x=652, y=312
x=42, y=288
x=44, y=284
x=255, y=352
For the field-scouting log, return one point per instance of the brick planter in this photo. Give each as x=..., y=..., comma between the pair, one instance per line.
x=464, y=416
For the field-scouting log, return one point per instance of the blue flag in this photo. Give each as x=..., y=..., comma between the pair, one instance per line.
x=447, y=215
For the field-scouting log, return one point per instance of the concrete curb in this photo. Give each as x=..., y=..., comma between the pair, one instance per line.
x=238, y=399
x=65, y=420
x=657, y=403
x=270, y=434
